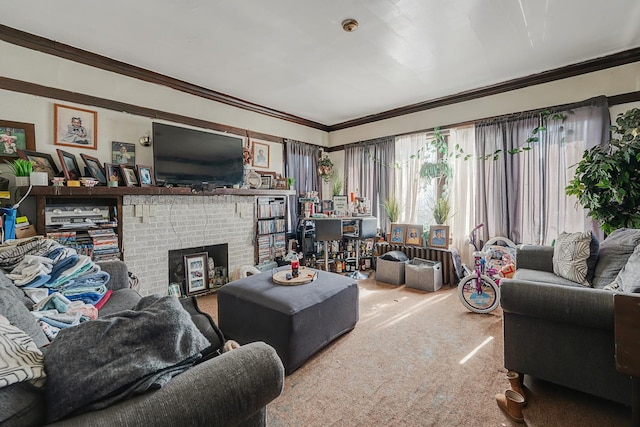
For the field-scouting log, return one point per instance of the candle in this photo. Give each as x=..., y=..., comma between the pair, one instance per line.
x=353, y=197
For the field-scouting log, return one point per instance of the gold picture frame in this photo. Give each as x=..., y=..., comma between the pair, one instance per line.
x=75, y=127
x=439, y=236
x=261, y=155
x=413, y=235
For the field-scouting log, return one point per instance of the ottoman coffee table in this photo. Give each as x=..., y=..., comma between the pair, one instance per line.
x=296, y=320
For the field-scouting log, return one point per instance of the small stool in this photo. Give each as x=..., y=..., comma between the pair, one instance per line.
x=295, y=320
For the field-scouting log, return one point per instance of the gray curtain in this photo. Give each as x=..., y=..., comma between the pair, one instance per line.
x=301, y=163
x=368, y=169
x=522, y=196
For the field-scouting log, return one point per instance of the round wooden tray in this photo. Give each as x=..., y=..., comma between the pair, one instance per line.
x=306, y=275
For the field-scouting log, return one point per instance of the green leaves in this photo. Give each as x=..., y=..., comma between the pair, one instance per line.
x=607, y=179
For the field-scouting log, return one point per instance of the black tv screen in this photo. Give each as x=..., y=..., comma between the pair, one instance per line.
x=185, y=156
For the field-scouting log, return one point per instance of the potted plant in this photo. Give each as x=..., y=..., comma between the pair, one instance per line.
x=607, y=179
x=290, y=182
x=441, y=211
x=336, y=190
x=392, y=209
x=21, y=168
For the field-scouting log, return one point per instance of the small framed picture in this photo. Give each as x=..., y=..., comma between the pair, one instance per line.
x=69, y=165
x=397, y=234
x=414, y=235
x=129, y=176
x=95, y=168
x=340, y=205
x=123, y=153
x=75, y=127
x=439, y=236
x=280, y=184
x=326, y=206
x=113, y=173
x=196, y=273
x=266, y=181
x=260, y=155
x=15, y=136
x=42, y=162
x=145, y=176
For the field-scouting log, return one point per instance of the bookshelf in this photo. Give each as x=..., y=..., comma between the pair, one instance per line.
x=271, y=227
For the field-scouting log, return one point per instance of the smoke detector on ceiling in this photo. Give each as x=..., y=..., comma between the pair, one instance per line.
x=349, y=25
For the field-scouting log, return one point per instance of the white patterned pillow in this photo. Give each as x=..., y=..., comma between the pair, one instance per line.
x=20, y=358
x=570, y=255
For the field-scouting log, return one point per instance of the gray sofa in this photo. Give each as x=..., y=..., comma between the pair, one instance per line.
x=230, y=389
x=563, y=332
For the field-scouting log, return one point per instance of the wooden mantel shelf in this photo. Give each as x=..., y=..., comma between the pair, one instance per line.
x=148, y=191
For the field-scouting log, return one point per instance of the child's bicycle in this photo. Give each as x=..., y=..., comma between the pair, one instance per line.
x=479, y=290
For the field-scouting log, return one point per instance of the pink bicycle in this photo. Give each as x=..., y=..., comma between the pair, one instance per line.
x=479, y=290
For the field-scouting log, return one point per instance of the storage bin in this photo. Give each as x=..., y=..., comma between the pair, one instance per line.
x=423, y=274
x=390, y=271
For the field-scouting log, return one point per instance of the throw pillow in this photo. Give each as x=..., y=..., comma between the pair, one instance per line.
x=570, y=256
x=627, y=278
x=21, y=359
x=615, y=251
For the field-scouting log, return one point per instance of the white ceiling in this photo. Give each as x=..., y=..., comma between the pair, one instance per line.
x=293, y=56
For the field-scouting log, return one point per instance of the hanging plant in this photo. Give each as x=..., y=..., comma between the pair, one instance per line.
x=325, y=168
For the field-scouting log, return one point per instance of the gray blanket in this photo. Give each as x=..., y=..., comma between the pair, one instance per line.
x=95, y=364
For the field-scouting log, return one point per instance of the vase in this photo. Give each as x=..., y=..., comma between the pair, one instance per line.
x=22, y=181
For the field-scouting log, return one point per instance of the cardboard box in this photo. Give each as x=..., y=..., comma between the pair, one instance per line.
x=25, y=232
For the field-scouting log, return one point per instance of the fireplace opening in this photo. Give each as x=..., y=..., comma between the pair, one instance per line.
x=187, y=274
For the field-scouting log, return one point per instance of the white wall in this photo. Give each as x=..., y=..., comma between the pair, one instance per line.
x=612, y=81
x=34, y=67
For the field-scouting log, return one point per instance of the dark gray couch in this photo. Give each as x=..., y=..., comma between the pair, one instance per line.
x=231, y=389
x=562, y=332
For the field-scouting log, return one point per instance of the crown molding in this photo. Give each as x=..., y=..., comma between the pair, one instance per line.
x=41, y=44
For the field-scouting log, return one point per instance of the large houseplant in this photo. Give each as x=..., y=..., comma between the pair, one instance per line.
x=607, y=179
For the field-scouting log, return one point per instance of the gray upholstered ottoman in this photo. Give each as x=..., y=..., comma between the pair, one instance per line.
x=295, y=320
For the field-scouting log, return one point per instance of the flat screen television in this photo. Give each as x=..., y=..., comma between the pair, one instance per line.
x=191, y=157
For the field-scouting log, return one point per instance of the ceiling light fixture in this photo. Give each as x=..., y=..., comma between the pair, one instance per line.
x=349, y=25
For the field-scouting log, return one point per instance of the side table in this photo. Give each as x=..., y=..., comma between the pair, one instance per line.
x=626, y=308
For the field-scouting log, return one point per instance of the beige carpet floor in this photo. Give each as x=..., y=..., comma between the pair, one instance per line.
x=420, y=359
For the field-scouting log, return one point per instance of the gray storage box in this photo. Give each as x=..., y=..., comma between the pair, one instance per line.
x=390, y=271
x=423, y=274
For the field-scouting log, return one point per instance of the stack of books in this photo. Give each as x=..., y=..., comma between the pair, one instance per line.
x=105, y=244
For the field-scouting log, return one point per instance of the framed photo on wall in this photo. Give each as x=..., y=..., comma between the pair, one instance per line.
x=397, y=234
x=70, y=167
x=439, y=236
x=15, y=136
x=260, y=155
x=414, y=235
x=42, y=162
x=75, y=127
x=196, y=273
x=123, y=153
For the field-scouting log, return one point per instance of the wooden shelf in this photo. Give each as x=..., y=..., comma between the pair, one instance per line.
x=147, y=191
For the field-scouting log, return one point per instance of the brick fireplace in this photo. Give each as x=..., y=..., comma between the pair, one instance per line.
x=153, y=225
